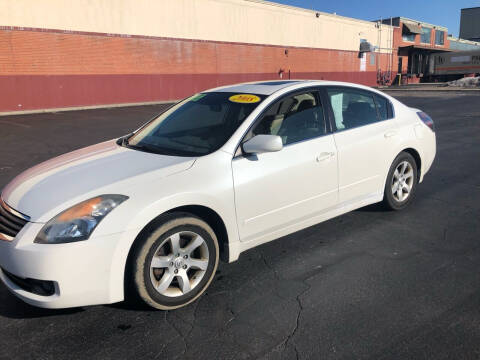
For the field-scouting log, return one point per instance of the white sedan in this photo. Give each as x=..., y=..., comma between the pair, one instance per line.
x=149, y=215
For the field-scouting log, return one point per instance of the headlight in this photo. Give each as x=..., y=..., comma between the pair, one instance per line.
x=78, y=222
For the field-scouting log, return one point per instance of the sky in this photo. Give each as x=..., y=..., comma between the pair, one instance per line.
x=437, y=12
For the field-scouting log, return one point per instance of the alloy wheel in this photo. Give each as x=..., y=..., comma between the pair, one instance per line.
x=402, y=181
x=179, y=264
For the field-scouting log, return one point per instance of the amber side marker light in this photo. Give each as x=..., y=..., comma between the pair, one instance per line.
x=83, y=209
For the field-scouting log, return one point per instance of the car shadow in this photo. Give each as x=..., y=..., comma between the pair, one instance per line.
x=131, y=306
x=374, y=208
x=11, y=307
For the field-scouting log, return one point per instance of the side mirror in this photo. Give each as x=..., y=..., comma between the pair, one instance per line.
x=262, y=144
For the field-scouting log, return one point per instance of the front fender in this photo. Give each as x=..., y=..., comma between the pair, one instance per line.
x=148, y=214
x=197, y=186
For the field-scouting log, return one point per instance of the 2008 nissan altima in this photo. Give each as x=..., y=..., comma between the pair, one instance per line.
x=150, y=214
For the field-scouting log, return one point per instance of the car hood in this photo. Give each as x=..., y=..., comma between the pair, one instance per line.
x=99, y=169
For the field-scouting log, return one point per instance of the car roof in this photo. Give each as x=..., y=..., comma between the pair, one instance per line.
x=259, y=87
x=271, y=86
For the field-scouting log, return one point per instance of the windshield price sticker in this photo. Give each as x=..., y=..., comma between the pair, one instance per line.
x=244, y=98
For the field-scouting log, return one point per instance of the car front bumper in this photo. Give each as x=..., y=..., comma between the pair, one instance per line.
x=83, y=273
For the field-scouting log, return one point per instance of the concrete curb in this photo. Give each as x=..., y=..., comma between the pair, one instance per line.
x=76, y=108
x=407, y=88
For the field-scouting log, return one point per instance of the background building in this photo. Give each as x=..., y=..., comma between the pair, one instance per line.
x=414, y=41
x=57, y=54
x=470, y=24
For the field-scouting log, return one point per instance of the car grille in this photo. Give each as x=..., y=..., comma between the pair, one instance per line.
x=11, y=222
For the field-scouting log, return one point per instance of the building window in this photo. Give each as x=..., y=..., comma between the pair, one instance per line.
x=408, y=37
x=372, y=59
x=439, y=37
x=426, y=35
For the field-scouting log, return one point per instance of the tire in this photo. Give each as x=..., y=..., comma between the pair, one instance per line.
x=182, y=245
x=401, y=182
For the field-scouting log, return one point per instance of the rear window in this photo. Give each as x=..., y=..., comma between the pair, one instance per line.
x=384, y=107
x=352, y=108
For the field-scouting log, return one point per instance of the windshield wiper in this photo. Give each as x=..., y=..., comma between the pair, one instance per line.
x=140, y=147
x=123, y=141
x=150, y=149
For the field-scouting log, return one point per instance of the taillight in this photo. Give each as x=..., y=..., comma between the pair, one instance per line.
x=427, y=120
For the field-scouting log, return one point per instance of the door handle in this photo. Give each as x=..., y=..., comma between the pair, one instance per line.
x=390, y=134
x=324, y=156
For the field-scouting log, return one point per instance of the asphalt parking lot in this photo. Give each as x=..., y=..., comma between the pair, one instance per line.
x=366, y=285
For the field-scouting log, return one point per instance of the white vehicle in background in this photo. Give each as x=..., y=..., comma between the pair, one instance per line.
x=150, y=214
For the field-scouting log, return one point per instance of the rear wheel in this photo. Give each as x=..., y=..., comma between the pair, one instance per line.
x=174, y=264
x=401, y=182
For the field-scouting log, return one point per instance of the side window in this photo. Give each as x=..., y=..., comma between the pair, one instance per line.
x=352, y=108
x=384, y=107
x=293, y=118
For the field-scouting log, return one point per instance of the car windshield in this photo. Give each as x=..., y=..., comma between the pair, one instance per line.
x=195, y=126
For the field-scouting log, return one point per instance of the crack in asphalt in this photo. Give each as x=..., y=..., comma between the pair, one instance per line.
x=286, y=341
x=182, y=337
x=275, y=274
x=164, y=345
x=289, y=340
x=192, y=326
x=297, y=321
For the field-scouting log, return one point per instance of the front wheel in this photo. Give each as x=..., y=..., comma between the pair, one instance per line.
x=174, y=264
x=401, y=182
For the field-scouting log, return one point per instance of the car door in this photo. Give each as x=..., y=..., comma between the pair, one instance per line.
x=364, y=131
x=277, y=189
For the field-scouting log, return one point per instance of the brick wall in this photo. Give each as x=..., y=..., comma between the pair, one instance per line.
x=42, y=69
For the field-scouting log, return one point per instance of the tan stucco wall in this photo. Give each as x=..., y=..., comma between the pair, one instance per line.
x=244, y=21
